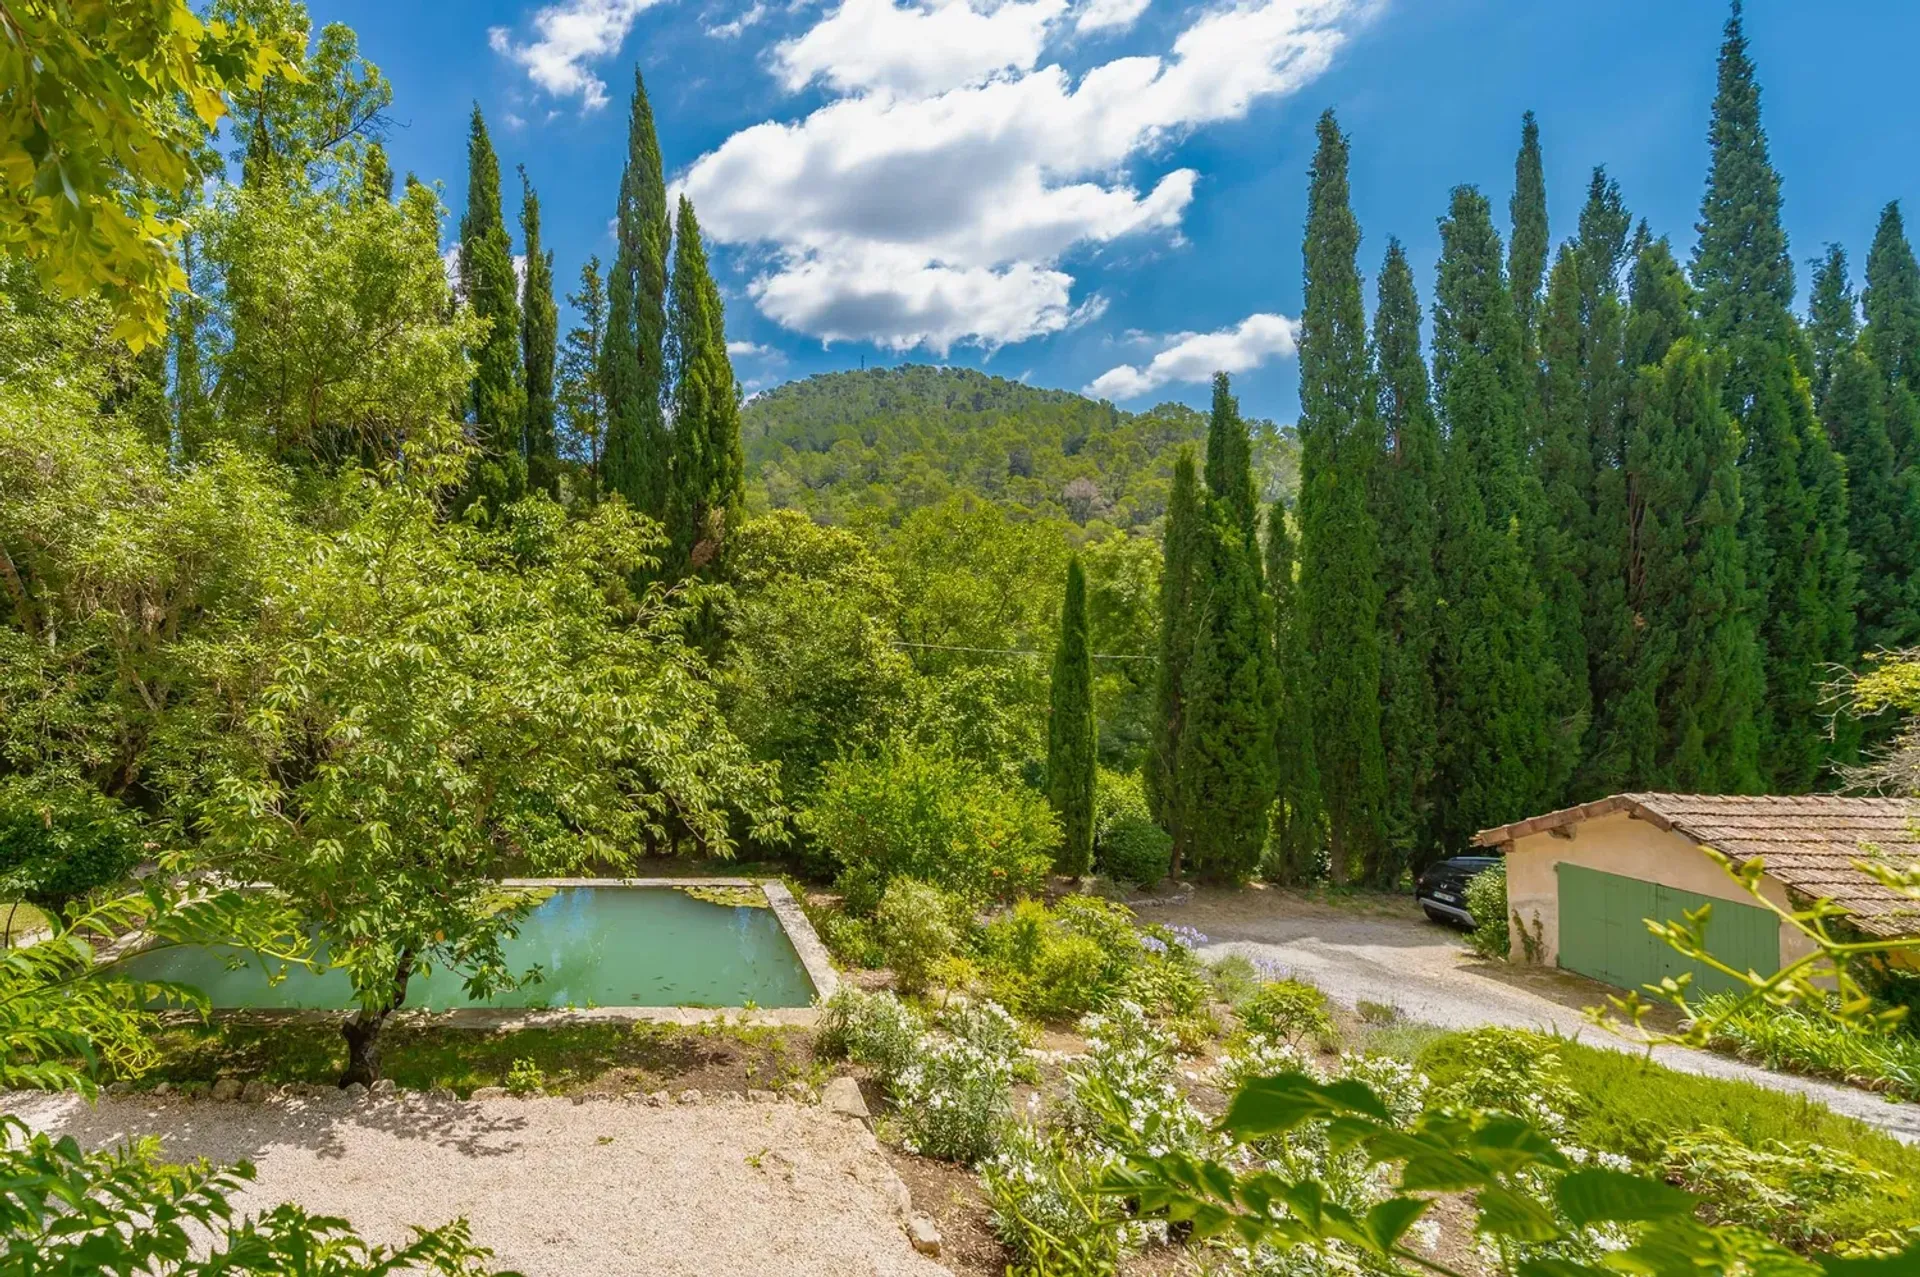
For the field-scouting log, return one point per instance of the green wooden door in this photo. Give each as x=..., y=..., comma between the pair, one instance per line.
x=1603, y=931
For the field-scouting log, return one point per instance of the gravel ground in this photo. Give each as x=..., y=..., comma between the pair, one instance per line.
x=555, y=1188
x=1382, y=949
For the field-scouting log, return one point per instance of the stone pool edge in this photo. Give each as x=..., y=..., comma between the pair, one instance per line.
x=806, y=943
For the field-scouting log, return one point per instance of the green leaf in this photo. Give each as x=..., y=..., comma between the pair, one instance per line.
x=1389, y=1221
x=1602, y=1196
x=1905, y=1264
x=1274, y=1105
x=1505, y=1213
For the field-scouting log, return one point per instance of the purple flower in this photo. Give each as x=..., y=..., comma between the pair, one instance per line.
x=1153, y=944
x=1186, y=937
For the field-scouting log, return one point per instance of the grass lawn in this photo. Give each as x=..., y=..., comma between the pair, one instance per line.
x=595, y=1058
x=24, y=919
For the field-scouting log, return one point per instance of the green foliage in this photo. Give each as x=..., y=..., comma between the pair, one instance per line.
x=525, y=1077
x=1038, y=1187
x=953, y=1100
x=579, y=395
x=632, y=374
x=707, y=473
x=1182, y=541
x=498, y=402
x=1056, y=964
x=907, y=810
x=1798, y=1042
x=1123, y=622
x=1128, y=847
x=1787, y=1191
x=1527, y=251
x=539, y=333
x=1287, y=1011
x=108, y=110
x=60, y=838
x=1487, y=902
x=869, y=1028
x=1340, y=592
x=915, y=928
x=1296, y=840
x=878, y=444
x=1070, y=734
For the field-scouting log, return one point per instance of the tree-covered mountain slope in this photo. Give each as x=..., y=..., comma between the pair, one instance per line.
x=881, y=442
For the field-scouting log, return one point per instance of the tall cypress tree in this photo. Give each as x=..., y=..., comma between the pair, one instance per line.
x=1883, y=503
x=1182, y=542
x=636, y=462
x=1404, y=493
x=580, y=397
x=1492, y=665
x=1298, y=832
x=1340, y=592
x=539, y=339
x=1527, y=252
x=497, y=403
x=1795, y=515
x=1070, y=743
x=1892, y=304
x=1224, y=766
x=708, y=479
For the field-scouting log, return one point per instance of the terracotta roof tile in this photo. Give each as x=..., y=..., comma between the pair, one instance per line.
x=1808, y=843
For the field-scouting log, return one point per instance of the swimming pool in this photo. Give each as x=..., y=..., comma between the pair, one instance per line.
x=596, y=946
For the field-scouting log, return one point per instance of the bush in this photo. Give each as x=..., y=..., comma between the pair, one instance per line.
x=1046, y=1210
x=1799, y=1042
x=917, y=812
x=849, y=939
x=524, y=1077
x=1487, y=902
x=60, y=839
x=1508, y=1071
x=1786, y=1191
x=1057, y=964
x=915, y=930
x=953, y=1099
x=987, y=1025
x=1288, y=1011
x=869, y=1028
x=1127, y=846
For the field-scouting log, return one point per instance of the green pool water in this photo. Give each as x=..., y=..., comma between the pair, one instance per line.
x=597, y=946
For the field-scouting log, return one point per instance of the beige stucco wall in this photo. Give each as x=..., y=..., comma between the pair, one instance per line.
x=1619, y=844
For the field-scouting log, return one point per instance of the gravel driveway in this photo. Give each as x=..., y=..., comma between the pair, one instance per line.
x=1384, y=950
x=556, y=1188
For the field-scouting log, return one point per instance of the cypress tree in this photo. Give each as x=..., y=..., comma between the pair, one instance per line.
x=1070, y=743
x=1224, y=769
x=1527, y=253
x=497, y=403
x=377, y=182
x=709, y=469
x=540, y=334
x=1892, y=304
x=1492, y=666
x=1794, y=488
x=1230, y=460
x=580, y=397
x=1182, y=540
x=1339, y=543
x=1298, y=830
x=1404, y=494
x=1883, y=504
x=636, y=461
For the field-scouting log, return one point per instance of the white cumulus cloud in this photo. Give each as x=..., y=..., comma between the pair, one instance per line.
x=731, y=30
x=1108, y=15
x=1192, y=357
x=934, y=199
x=569, y=37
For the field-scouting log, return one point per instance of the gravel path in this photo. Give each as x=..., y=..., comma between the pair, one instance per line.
x=556, y=1188
x=1386, y=951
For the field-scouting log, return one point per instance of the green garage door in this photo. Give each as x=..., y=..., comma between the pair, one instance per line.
x=1603, y=931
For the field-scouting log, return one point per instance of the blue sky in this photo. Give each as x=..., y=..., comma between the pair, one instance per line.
x=1109, y=193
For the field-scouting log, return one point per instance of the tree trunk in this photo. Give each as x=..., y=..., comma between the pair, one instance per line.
x=362, y=1030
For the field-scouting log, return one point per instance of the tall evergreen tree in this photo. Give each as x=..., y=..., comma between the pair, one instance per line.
x=1297, y=835
x=582, y=402
x=1794, y=488
x=708, y=478
x=1892, y=304
x=539, y=333
x=1883, y=502
x=636, y=461
x=497, y=404
x=1527, y=252
x=1070, y=740
x=1340, y=590
x=1492, y=664
x=1403, y=498
x=1180, y=578
x=1224, y=767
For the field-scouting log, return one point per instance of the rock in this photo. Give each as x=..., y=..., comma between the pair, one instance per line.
x=443, y=1093
x=227, y=1088
x=119, y=1088
x=383, y=1089
x=842, y=1095
x=800, y=1091
x=489, y=1093
x=762, y=1097
x=255, y=1092
x=924, y=1236
x=658, y=1099
x=690, y=1096
x=729, y=1097
x=354, y=1091
x=165, y=1088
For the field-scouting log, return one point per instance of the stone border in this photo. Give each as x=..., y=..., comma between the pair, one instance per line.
x=793, y=920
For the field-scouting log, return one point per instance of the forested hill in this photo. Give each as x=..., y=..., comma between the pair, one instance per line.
x=885, y=441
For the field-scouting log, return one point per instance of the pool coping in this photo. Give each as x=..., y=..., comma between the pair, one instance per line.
x=793, y=920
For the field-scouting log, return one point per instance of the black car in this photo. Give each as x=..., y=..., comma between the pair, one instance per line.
x=1442, y=888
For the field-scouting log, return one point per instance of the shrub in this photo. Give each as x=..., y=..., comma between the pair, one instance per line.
x=1783, y=1190
x=60, y=839
x=1487, y=902
x=987, y=1025
x=1060, y=963
x=1124, y=1096
x=914, y=811
x=851, y=940
x=524, y=1077
x=1127, y=845
x=1508, y=1071
x=1046, y=1210
x=1799, y=1042
x=1234, y=978
x=915, y=931
x=1288, y=1011
x=869, y=1028
x=953, y=1099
